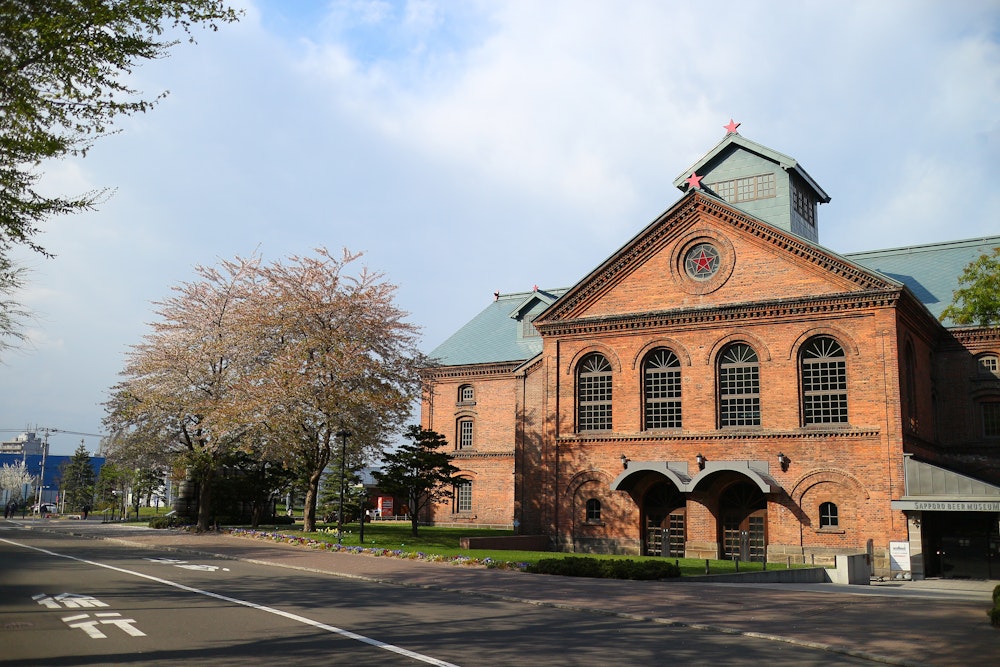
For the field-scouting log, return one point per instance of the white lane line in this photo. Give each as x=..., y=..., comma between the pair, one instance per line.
x=270, y=610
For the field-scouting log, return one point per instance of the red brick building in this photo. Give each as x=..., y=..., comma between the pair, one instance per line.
x=722, y=386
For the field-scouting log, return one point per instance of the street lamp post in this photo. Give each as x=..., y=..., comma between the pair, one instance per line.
x=343, y=434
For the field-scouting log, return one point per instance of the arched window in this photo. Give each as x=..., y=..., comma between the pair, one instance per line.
x=739, y=387
x=593, y=510
x=991, y=417
x=465, y=432
x=593, y=394
x=988, y=364
x=828, y=516
x=463, y=496
x=910, y=374
x=661, y=372
x=824, y=382
x=466, y=394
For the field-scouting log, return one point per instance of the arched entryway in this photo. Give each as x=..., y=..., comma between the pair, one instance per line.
x=664, y=520
x=743, y=522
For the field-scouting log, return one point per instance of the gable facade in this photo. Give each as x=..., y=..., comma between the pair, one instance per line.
x=719, y=387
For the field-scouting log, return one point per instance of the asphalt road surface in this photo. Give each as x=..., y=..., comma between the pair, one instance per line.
x=66, y=600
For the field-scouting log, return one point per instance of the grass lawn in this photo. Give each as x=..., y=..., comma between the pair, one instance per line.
x=444, y=541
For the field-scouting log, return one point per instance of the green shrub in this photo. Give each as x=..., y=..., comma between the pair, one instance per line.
x=576, y=566
x=161, y=522
x=994, y=615
x=996, y=596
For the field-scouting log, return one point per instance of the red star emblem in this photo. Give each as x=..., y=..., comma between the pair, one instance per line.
x=702, y=262
x=731, y=128
x=694, y=180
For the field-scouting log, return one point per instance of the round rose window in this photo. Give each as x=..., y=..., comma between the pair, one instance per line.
x=702, y=261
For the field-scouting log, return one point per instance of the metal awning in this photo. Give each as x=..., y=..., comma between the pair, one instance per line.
x=933, y=488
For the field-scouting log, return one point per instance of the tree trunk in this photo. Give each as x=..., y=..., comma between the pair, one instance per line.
x=414, y=515
x=205, y=500
x=312, y=494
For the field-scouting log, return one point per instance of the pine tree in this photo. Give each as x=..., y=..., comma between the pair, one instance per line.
x=78, y=480
x=418, y=472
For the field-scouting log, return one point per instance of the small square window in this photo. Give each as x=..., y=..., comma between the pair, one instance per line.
x=828, y=516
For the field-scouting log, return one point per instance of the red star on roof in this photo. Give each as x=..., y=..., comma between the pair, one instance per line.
x=731, y=128
x=694, y=180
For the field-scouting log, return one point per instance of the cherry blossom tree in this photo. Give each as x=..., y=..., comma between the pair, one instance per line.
x=274, y=361
x=176, y=398
x=15, y=478
x=341, y=357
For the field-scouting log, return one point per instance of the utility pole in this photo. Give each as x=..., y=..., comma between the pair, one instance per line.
x=344, y=434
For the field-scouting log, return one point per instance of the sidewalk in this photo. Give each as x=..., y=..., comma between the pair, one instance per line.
x=931, y=622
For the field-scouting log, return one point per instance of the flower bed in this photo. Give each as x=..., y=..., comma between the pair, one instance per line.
x=373, y=551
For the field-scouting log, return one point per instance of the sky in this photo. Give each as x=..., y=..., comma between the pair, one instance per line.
x=468, y=147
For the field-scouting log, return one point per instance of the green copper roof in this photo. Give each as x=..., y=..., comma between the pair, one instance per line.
x=930, y=271
x=497, y=334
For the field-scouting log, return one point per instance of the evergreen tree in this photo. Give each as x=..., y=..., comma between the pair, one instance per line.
x=78, y=480
x=329, y=493
x=418, y=472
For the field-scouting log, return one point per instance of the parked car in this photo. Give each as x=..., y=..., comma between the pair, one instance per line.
x=45, y=508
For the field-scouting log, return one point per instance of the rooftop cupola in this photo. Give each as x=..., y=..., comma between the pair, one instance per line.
x=765, y=183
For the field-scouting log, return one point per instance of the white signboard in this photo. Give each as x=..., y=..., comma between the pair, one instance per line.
x=899, y=556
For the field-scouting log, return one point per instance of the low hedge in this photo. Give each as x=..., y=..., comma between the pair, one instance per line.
x=576, y=566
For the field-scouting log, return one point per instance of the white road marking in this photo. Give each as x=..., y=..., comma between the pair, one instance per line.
x=108, y=618
x=67, y=600
x=270, y=610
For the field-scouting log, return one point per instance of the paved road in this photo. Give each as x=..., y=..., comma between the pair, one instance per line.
x=456, y=615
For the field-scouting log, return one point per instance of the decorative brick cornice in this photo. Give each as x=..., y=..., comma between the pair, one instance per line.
x=720, y=436
x=657, y=236
x=831, y=263
x=470, y=370
x=743, y=312
x=974, y=337
x=462, y=454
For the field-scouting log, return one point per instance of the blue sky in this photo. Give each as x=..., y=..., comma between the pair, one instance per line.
x=468, y=147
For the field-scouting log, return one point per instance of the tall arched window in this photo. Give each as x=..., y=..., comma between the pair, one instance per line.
x=824, y=382
x=661, y=373
x=463, y=496
x=465, y=434
x=910, y=365
x=739, y=387
x=593, y=394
